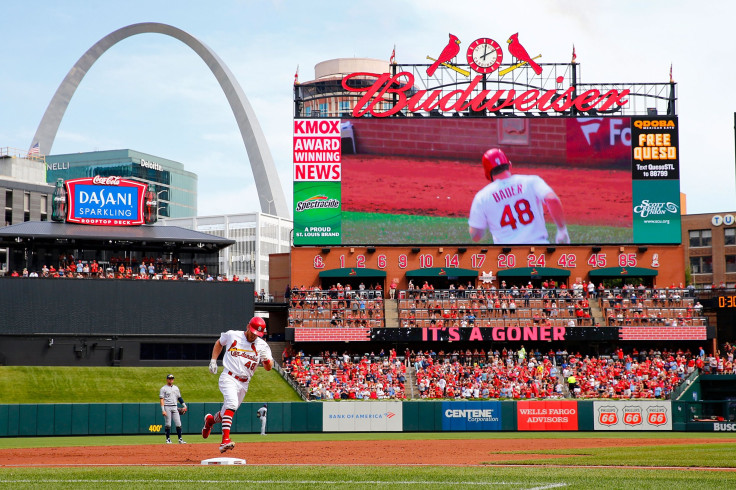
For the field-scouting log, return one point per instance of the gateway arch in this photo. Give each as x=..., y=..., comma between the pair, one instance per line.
x=270, y=193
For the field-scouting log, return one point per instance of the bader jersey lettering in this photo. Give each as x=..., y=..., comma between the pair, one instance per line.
x=512, y=209
x=241, y=357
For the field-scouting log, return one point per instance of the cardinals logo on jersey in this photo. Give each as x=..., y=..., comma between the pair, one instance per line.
x=235, y=352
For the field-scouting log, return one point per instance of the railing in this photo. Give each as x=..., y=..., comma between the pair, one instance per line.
x=297, y=387
x=8, y=152
x=684, y=385
x=328, y=308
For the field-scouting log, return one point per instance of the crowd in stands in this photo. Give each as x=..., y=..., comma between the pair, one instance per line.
x=488, y=306
x=330, y=376
x=651, y=307
x=338, y=306
x=625, y=376
x=512, y=375
x=122, y=268
x=506, y=374
x=485, y=305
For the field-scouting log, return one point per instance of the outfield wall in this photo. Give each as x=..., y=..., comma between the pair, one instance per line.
x=66, y=419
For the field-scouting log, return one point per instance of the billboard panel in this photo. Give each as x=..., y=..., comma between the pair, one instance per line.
x=362, y=417
x=547, y=415
x=414, y=181
x=632, y=415
x=109, y=201
x=471, y=415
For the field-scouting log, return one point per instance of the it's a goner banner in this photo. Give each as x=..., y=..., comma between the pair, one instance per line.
x=413, y=180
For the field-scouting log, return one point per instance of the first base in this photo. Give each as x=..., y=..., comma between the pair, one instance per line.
x=223, y=461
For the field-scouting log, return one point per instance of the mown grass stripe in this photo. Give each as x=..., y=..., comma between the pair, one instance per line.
x=298, y=482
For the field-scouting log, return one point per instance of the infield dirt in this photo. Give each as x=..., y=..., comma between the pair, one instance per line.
x=455, y=452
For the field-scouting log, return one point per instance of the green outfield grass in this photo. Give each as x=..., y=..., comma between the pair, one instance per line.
x=675, y=460
x=401, y=228
x=46, y=384
x=360, y=477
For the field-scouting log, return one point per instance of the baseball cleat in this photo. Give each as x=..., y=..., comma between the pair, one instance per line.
x=168, y=441
x=209, y=421
x=182, y=441
x=226, y=445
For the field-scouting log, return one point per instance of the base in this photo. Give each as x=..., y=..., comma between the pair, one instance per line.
x=223, y=461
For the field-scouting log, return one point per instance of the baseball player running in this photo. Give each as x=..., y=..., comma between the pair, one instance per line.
x=245, y=349
x=169, y=394
x=511, y=207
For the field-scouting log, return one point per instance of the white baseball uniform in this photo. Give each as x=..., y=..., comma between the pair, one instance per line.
x=512, y=209
x=239, y=362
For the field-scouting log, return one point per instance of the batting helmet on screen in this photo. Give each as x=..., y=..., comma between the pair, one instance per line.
x=257, y=325
x=494, y=158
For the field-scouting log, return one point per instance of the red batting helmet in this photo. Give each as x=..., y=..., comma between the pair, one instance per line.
x=494, y=158
x=257, y=326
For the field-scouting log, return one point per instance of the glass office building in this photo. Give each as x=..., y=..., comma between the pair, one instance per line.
x=176, y=187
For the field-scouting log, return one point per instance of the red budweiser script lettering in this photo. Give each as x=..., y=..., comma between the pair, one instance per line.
x=387, y=88
x=112, y=180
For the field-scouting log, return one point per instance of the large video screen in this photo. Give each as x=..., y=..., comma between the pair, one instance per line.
x=414, y=180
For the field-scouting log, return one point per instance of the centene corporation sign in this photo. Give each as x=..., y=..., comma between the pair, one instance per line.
x=108, y=201
x=387, y=88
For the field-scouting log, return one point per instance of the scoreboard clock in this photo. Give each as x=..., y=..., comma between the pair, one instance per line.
x=727, y=301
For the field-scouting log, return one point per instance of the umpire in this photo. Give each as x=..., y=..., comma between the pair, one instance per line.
x=169, y=395
x=261, y=414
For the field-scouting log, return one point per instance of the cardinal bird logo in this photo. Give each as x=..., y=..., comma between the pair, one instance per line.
x=450, y=51
x=519, y=52
x=352, y=272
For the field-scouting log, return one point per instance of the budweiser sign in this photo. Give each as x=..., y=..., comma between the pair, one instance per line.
x=112, y=180
x=399, y=88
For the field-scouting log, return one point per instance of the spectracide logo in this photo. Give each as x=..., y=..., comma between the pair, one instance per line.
x=317, y=202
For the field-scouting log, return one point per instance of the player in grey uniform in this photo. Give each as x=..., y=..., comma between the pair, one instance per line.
x=169, y=395
x=261, y=414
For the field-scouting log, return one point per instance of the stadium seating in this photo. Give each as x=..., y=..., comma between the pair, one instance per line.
x=331, y=377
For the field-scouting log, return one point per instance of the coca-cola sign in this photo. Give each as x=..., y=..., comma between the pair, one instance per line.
x=111, y=201
x=112, y=180
x=399, y=88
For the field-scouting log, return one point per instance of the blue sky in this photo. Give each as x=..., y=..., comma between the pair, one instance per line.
x=152, y=94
